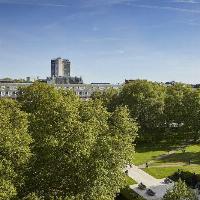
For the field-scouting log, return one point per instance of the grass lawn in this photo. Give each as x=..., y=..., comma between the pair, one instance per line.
x=130, y=181
x=193, y=148
x=192, y=154
x=143, y=157
x=167, y=165
x=161, y=167
x=162, y=172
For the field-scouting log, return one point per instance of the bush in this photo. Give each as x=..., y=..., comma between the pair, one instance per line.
x=180, y=191
x=191, y=179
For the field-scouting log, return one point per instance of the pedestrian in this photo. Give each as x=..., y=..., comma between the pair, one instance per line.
x=147, y=165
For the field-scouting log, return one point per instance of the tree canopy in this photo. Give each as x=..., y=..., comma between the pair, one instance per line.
x=162, y=111
x=14, y=148
x=180, y=191
x=79, y=147
x=145, y=100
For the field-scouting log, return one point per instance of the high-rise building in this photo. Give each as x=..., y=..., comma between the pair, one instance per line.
x=60, y=67
x=60, y=73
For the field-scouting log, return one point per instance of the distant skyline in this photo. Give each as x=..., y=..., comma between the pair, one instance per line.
x=105, y=40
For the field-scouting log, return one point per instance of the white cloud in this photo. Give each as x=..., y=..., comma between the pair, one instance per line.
x=32, y=3
x=191, y=22
x=186, y=1
x=186, y=10
x=94, y=3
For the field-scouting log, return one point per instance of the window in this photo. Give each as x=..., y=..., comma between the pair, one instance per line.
x=3, y=87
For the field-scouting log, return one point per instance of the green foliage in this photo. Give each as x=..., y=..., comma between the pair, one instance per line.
x=180, y=191
x=162, y=112
x=109, y=98
x=79, y=147
x=182, y=108
x=192, y=116
x=145, y=101
x=191, y=179
x=32, y=196
x=14, y=148
x=128, y=194
x=176, y=101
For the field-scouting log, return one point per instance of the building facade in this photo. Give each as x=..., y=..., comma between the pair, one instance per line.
x=60, y=67
x=84, y=91
x=60, y=78
x=61, y=73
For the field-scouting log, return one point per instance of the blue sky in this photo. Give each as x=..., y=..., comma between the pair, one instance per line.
x=106, y=40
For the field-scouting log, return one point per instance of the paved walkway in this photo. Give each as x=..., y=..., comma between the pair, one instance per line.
x=157, y=185
x=152, y=183
x=140, y=176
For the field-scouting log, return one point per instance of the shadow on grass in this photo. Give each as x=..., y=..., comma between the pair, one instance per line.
x=142, y=148
x=160, y=146
x=186, y=157
x=171, y=141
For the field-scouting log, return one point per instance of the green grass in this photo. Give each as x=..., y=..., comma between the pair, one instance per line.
x=143, y=157
x=130, y=181
x=162, y=172
x=160, y=167
x=192, y=153
x=193, y=148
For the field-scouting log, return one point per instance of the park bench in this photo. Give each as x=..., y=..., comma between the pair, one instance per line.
x=151, y=192
x=141, y=186
x=167, y=181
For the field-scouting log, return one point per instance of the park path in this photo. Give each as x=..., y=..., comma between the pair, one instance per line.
x=157, y=185
x=140, y=176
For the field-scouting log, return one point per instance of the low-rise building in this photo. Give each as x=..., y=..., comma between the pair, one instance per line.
x=83, y=90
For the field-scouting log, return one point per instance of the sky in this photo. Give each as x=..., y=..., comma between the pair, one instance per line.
x=105, y=40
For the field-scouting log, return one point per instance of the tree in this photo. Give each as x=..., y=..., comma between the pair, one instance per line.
x=175, y=109
x=32, y=196
x=79, y=147
x=182, y=111
x=14, y=148
x=191, y=102
x=180, y=191
x=108, y=97
x=145, y=101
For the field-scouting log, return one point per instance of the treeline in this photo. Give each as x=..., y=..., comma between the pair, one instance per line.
x=54, y=146
x=162, y=112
